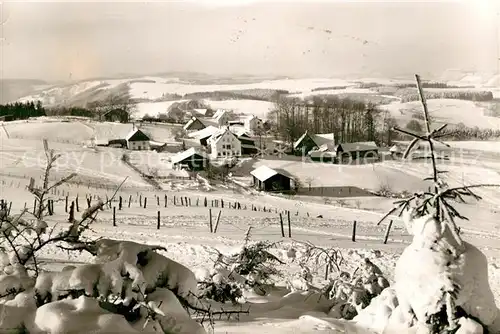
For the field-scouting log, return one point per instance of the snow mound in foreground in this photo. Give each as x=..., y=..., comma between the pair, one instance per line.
x=431, y=283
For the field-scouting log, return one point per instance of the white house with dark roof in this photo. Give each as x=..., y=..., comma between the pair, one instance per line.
x=224, y=144
x=137, y=140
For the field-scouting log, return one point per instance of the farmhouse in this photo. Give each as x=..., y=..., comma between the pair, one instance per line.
x=335, y=153
x=224, y=144
x=116, y=115
x=137, y=140
x=253, y=124
x=247, y=143
x=221, y=117
x=267, y=179
x=324, y=153
x=198, y=123
x=202, y=112
x=204, y=134
x=307, y=142
x=193, y=158
x=357, y=150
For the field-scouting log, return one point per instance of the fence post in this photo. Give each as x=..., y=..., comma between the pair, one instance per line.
x=89, y=201
x=387, y=231
x=72, y=211
x=354, y=232
x=77, y=204
x=34, y=206
x=158, y=200
x=145, y=202
x=166, y=200
x=289, y=226
x=66, y=205
x=282, y=227
x=129, y=200
x=217, y=222
x=158, y=221
x=210, y=220
x=114, y=216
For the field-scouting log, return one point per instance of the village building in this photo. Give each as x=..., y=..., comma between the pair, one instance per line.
x=204, y=134
x=198, y=123
x=253, y=124
x=247, y=143
x=116, y=115
x=337, y=153
x=272, y=180
x=193, y=159
x=137, y=140
x=221, y=117
x=199, y=112
x=6, y=118
x=396, y=151
x=308, y=142
x=224, y=144
x=116, y=143
x=358, y=150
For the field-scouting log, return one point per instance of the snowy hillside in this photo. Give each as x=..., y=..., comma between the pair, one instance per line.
x=449, y=111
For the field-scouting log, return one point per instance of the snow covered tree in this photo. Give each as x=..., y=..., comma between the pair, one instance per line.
x=449, y=288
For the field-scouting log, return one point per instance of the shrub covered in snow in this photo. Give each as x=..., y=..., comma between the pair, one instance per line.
x=253, y=267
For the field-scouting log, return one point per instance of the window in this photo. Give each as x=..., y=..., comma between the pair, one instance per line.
x=219, y=154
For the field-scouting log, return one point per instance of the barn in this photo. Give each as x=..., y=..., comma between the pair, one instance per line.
x=193, y=159
x=116, y=115
x=358, y=150
x=272, y=180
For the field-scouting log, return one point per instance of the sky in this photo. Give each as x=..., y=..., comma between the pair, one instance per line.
x=79, y=40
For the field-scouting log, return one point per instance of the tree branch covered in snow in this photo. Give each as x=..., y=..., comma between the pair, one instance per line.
x=436, y=202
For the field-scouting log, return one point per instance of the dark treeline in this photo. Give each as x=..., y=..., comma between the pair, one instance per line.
x=463, y=132
x=430, y=84
x=350, y=121
x=480, y=96
x=70, y=111
x=23, y=110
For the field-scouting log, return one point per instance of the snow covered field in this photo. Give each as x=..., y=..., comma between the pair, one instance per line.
x=184, y=231
x=183, y=228
x=445, y=111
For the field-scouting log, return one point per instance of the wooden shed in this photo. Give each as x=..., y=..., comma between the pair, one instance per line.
x=116, y=115
x=272, y=180
x=193, y=158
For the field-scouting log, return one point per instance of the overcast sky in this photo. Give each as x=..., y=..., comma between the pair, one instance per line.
x=53, y=40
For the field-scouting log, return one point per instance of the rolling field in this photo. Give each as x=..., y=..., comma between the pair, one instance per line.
x=183, y=228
